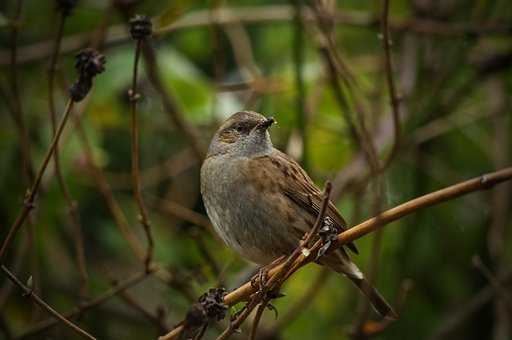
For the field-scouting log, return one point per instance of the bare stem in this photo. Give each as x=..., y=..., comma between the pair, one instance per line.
x=72, y=205
x=100, y=299
x=137, y=191
x=30, y=293
x=395, y=105
x=32, y=192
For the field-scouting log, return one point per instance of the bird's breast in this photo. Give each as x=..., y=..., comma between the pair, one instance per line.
x=241, y=212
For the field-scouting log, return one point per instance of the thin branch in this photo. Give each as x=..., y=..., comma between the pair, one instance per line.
x=493, y=280
x=454, y=319
x=137, y=306
x=263, y=15
x=300, y=305
x=43, y=325
x=17, y=111
x=28, y=292
x=140, y=29
x=28, y=204
x=479, y=183
x=395, y=105
x=300, y=97
x=257, y=318
x=170, y=105
x=107, y=194
x=72, y=205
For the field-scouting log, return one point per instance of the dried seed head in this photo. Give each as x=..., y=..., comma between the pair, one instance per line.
x=210, y=307
x=90, y=62
x=213, y=304
x=140, y=27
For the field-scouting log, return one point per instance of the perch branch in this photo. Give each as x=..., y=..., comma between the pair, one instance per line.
x=479, y=183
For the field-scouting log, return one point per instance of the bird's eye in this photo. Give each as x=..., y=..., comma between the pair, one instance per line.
x=239, y=128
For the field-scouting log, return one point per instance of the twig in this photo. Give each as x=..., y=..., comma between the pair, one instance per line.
x=17, y=109
x=298, y=55
x=89, y=63
x=137, y=306
x=300, y=305
x=479, y=183
x=268, y=14
x=454, y=319
x=257, y=318
x=170, y=105
x=28, y=203
x=100, y=299
x=19, y=257
x=493, y=280
x=395, y=105
x=72, y=205
x=140, y=30
x=107, y=194
x=30, y=293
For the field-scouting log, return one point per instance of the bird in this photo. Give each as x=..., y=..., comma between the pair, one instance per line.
x=261, y=202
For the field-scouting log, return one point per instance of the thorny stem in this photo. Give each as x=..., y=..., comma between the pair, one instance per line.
x=32, y=192
x=30, y=293
x=375, y=223
x=137, y=191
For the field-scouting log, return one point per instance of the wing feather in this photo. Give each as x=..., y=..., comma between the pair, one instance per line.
x=297, y=186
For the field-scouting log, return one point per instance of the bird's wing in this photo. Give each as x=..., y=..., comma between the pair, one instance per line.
x=299, y=188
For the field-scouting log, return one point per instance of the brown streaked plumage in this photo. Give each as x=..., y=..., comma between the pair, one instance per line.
x=261, y=202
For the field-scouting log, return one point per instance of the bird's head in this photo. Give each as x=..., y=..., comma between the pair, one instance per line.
x=243, y=134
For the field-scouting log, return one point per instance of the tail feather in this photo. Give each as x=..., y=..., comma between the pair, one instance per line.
x=376, y=300
x=341, y=263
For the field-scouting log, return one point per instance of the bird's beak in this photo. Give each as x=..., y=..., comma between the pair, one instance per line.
x=264, y=125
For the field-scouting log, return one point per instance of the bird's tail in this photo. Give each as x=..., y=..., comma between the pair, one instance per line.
x=341, y=263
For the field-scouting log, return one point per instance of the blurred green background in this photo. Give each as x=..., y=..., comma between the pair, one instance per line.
x=452, y=68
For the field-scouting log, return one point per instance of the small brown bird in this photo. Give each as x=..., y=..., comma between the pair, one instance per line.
x=261, y=202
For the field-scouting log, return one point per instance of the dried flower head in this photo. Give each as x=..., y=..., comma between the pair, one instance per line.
x=140, y=27
x=90, y=62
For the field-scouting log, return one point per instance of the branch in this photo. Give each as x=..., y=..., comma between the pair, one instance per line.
x=395, y=105
x=17, y=109
x=28, y=292
x=140, y=29
x=89, y=63
x=479, y=183
x=71, y=204
x=43, y=325
x=262, y=15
